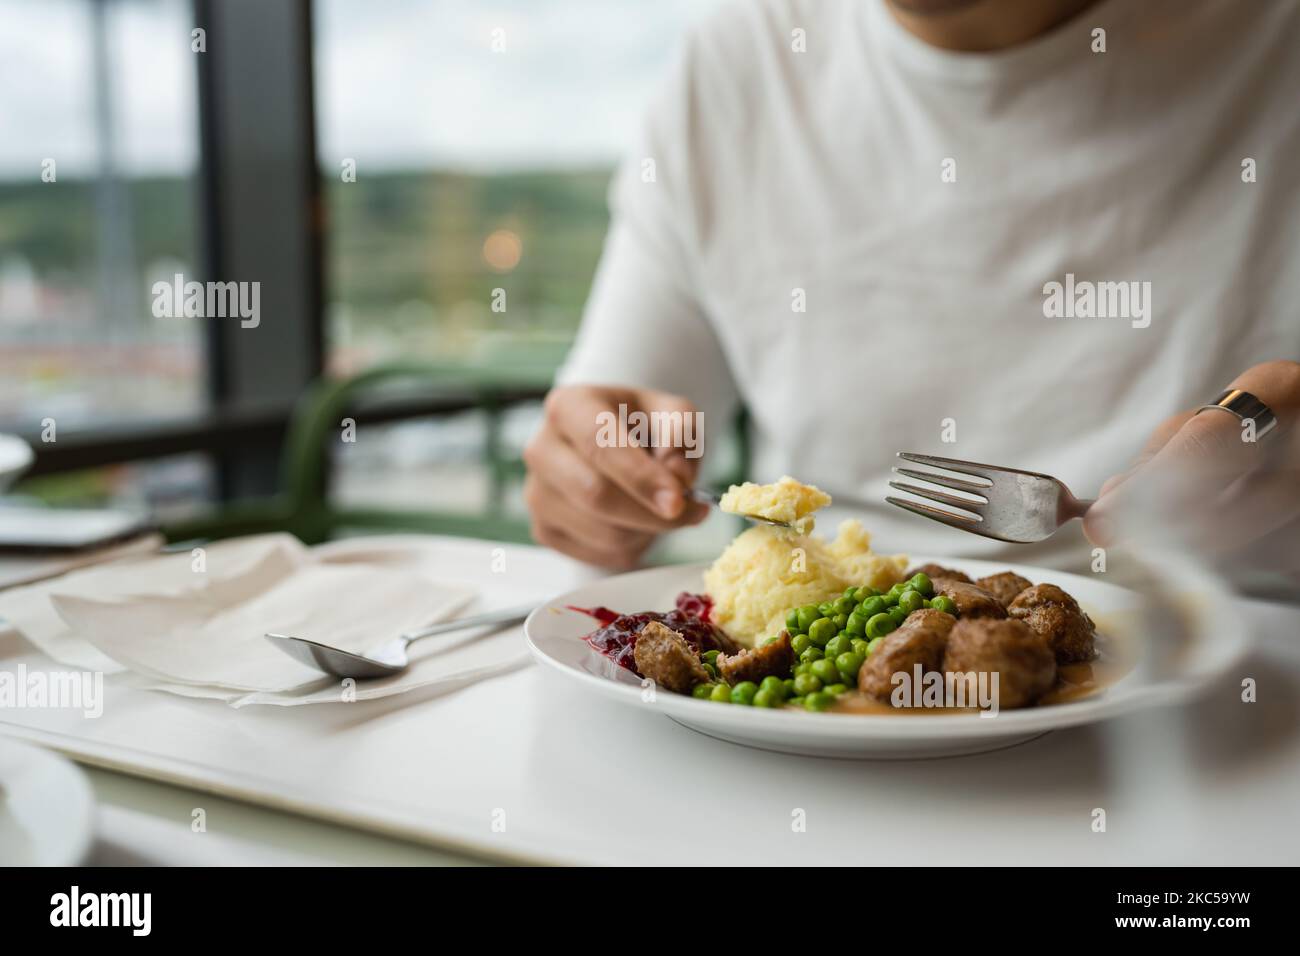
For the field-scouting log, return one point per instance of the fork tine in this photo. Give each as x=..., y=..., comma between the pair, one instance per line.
x=956, y=484
x=961, y=522
x=940, y=496
x=953, y=464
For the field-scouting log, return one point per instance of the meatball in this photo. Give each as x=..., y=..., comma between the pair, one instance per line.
x=1040, y=594
x=1067, y=632
x=1024, y=663
x=1057, y=617
x=937, y=572
x=921, y=640
x=1004, y=586
x=971, y=600
x=666, y=658
x=775, y=658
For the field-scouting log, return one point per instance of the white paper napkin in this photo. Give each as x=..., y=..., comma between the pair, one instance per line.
x=199, y=633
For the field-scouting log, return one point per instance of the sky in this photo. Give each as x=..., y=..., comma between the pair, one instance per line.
x=399, y=83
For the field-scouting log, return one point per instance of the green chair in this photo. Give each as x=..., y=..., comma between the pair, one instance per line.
x=302, y=506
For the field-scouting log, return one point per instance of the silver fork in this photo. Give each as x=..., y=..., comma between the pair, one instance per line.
x=1008, y=504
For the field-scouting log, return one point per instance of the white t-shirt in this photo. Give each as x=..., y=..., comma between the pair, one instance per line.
x=916, y=202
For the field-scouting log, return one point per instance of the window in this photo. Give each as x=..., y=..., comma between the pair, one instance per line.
x=98, y=156
x=465, y=153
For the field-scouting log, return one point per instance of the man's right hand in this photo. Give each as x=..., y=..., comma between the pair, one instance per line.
x=605, y=505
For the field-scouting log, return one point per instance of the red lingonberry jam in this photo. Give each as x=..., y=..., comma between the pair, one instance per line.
x=616, y=637
x=696, y=605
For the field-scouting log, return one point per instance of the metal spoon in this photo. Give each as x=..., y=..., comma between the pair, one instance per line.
x=389, y=658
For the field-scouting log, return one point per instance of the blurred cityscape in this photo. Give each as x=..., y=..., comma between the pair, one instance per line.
x=412, y=261
x=481, y=165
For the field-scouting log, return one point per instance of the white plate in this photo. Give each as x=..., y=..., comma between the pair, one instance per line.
x=1216, y=641
x=47, y=809
x=15, y=458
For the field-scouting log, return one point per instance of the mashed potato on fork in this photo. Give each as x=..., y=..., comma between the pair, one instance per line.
x=766, y=570
x=787, y=500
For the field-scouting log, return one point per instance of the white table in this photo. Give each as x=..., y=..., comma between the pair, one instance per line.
x=579, y=779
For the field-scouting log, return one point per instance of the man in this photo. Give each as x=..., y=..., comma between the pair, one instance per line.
x=1025, y=232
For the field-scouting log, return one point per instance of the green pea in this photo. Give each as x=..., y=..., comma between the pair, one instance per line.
x=826, y=608
x=822, y=630
x=787, y=687
x=873, y=644
x=743, y=693
x=837, y=645
x=812, y=654
x=826, y=671
x=765, y=698
x=898, y=615
x=849, y=664
x=772, y=684
x=858, y=645
x=818, y=701
x=844, y=605
x=806, y=684
x=792, y=621
x=848, y=591
x=911, y=600
x=721, y=694
x=841, y=621
x=864, y=592
x=805, y=667
x=921, y=583
x=880, y=625
x=891, y=596
x=713, y=671
x=800, y=643
x=872, y=606
x=795, y=702
x=857, y=624
x=701, y=691
x=945, y=604
x=768, y=641
x=837, y=689
x=850, y=675
x=711, y=657
x=807, y=614
x=927, y=603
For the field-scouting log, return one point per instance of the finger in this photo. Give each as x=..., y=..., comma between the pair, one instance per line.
x=584, y=418
x=1254, y=506
x=1277, y=385
x=585, y=487
x=676, y=461
x=682, y=458
x=559, y=540
x=1276, y=552
x=1196, y=464
x=1094, y=529
x=1166, y=430
x=1205, y=454
x=549, y=505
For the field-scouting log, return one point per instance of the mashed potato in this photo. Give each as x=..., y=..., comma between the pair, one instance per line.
x=767, y=571
x=786, y=500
